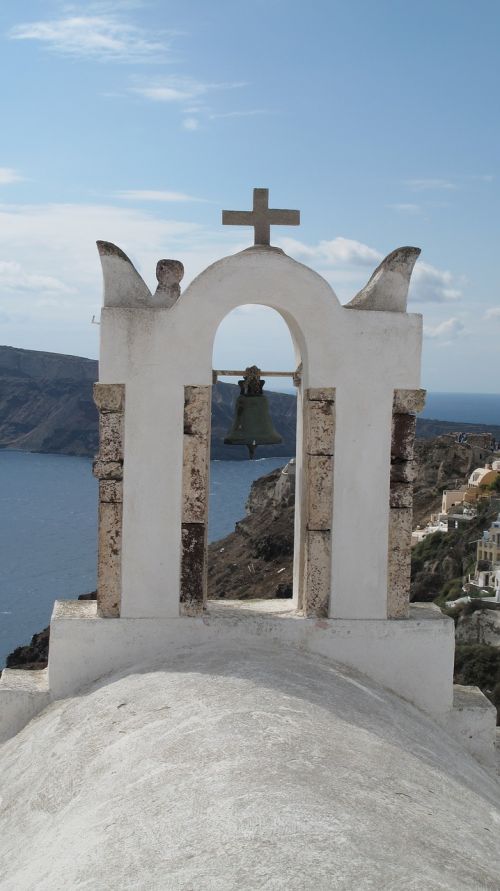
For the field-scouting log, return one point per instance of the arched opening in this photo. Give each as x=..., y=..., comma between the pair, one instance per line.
x=252, y=522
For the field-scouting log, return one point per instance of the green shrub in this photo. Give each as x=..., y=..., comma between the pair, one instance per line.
x=452, y=588
x=479, y=665
x=425, y=586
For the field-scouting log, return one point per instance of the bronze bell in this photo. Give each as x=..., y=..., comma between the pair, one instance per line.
x=252, y=425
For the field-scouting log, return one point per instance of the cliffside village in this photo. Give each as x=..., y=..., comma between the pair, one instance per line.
x=459, y=506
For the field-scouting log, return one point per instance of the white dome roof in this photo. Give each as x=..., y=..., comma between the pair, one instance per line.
x=478, y=475
x=234, y=768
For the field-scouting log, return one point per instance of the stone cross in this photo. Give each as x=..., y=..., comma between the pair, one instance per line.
x=262, y=217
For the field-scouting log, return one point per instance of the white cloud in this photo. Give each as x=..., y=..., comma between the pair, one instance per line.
x=8, y=175
x=344, y=262
x=13, y=277
x=493, y=313
x=56, y=242
x=51, y=270
x=432, y=285
x=191, y=124
x=179, y=89
x=337, y=252
x=447, y=331
x=421, y=185
x=155, y=195
x=51, y=260
x=101, y=37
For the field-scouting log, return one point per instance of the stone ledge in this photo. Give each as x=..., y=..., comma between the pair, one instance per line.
x=469, y=698
x=109, y=397
x=411, y=657
x=74, y=609
x=279, y=609
x=23, y=695
x=409, y=401
x=25, y=680
x=472, y=723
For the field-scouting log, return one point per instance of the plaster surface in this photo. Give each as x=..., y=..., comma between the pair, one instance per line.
x=155, y=352
x=23, y=694
x=473, y=720
x=412, y=657
x=229, y=768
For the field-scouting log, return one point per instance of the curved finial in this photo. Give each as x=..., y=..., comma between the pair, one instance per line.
x=123, y=286
x=169, y=274
x=387, y=289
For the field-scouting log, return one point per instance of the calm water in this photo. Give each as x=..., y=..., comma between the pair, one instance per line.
x=48, y=531
x=49, y=509
x=471, y=408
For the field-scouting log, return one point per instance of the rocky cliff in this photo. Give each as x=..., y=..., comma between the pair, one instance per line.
x=479, y=626
x=256, y=560
x=442, y=463
x=46, y=405
x=46, y=402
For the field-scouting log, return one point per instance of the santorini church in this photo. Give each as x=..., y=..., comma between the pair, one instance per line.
x=178, y=742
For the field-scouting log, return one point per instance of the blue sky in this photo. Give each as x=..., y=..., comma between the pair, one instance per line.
x=137, y=122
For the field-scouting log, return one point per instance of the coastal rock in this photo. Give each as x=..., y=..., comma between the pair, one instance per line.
x=442, y=463
x=480, y=627
x=256, y=560
x=46, y=405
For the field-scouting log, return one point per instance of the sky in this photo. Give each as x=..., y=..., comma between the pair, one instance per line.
x=137, y=122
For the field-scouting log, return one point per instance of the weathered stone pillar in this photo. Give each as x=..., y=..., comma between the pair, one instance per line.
x=319, y=438
x=108, y=468
x=197, y=411
x=406, y=404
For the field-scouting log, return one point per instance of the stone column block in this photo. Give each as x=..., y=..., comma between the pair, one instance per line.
x=403, y=437
x=399, y=564
x=320, y=431
x=319, y=492
x=318, y=573
x=111, y=436
x=403, y=470
x=111, y=491
x=401, y=495
x=197, y=411
x=108, y=468
x=109, y=397
x=195, y=480
x=193, y=575
x=321, y=394
x=408, y=402
x=109, y=559
x=319, y=447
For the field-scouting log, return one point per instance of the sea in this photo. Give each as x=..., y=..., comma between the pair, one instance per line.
x=48, y=519
x=470, y=408
x=48, y=531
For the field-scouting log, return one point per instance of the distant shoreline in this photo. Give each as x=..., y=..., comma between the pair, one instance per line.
x=427, y=428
